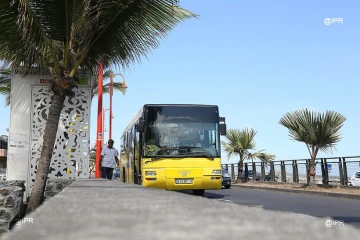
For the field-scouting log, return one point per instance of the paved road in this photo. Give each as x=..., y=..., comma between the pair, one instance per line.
x=345, y=210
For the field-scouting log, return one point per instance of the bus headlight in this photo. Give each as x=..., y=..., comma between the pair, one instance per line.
x=150, y=173
x=216, y=172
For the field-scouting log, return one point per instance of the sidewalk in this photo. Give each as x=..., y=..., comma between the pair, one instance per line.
x=102, y=209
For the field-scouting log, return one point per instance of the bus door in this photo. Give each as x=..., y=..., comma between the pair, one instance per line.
x=137, y=162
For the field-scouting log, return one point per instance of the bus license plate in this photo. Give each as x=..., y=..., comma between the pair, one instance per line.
x=183, y=181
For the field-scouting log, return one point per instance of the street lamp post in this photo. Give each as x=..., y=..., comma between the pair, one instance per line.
x=111, y=94
x=99, y=134
x=110, y=117
x=103, y=127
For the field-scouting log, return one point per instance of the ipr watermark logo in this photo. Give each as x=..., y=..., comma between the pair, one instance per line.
x=25, y=221
x=331, y=223
x=329, y=21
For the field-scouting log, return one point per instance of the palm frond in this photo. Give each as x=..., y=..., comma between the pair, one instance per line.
x=6, y=72
x=7, y=100
x=262, y=156
x=126, y=32
x=5, y=85
x=4, y=90
x=239, y=142
x=68, y=34
x=23, y=37
x=229, y=149
x=106, y=74
x=241, y=139
x=316, y=130
x=5, y=80
x=118, y=86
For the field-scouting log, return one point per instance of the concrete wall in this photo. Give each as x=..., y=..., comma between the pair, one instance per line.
x=30, y=102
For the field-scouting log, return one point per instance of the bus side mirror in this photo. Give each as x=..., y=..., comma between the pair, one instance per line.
x=141, y=126
x=222, y=129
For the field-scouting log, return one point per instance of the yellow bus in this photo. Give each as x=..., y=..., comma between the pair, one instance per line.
x=173, y=147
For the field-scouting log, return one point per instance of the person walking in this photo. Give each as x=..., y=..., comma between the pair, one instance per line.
x=109, y=159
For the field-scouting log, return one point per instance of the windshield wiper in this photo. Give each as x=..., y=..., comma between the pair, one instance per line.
x=203, y=154
x=159, y=157
x=153, y=159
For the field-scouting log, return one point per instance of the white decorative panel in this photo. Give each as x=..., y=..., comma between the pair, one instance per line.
x=71, y=151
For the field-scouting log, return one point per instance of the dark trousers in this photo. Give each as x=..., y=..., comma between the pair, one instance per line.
x=107, y=172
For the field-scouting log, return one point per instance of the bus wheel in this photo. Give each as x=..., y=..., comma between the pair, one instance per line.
x=198, y=192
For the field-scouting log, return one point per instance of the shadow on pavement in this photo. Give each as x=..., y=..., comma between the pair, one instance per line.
x=206, y=194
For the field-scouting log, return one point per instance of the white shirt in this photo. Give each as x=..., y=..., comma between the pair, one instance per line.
x=109, y=155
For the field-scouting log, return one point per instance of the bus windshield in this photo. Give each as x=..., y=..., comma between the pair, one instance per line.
x=173, y=131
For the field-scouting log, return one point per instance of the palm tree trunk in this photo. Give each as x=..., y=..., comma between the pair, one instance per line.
x=312, y=171
x=312, y=164
x=240, y=167
x=239, y=172
x=37, y=193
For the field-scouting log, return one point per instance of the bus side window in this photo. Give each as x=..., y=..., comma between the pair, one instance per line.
x=211, y=136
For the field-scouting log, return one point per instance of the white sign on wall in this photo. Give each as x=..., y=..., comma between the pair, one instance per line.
x=30, y=102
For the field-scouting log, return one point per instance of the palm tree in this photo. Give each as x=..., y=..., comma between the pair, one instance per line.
x=319, y=131
x=64, y=36
x=240, y=143
x=117, y=86
x=5, y=85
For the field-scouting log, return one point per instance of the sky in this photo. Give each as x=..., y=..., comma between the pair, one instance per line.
x=256, y=60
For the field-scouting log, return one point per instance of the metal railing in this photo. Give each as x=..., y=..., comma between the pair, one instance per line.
x=334, y=171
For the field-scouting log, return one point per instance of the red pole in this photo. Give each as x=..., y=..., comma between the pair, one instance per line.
x=100, y=133
x=111, y=113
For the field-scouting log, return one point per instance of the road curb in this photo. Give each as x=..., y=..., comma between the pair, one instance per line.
x=327, y=194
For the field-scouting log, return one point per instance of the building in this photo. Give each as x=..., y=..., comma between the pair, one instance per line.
x=3, y=152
